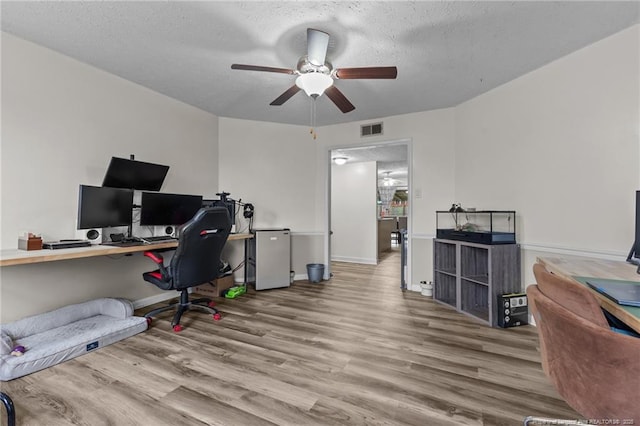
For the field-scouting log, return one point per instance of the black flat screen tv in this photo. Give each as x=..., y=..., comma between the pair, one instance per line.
x=634, y=254
x=168, y=209
x=133, y=174
x=100, y=207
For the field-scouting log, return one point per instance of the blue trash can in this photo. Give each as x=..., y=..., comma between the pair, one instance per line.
x=315, y=271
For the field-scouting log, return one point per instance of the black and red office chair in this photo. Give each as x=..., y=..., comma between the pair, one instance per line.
x=196, y=261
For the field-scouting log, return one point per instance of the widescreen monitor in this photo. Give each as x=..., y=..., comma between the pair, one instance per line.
x=100, y=207
x=133, y=174
x=637, y=225
x=634, y=254
x=168, y=209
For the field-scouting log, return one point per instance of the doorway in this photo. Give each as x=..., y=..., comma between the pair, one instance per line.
x=376, y=218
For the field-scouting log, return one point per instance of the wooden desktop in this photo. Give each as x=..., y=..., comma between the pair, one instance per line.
x=576, y=267
x=24, y=257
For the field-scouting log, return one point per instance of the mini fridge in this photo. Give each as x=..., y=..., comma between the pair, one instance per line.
x=269, y=258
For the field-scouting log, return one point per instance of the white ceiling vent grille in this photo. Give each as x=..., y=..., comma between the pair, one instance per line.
x=371, y=129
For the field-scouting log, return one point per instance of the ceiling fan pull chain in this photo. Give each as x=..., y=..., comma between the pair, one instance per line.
x=313, y=118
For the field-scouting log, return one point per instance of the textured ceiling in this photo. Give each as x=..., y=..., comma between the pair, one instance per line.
x=446, y=52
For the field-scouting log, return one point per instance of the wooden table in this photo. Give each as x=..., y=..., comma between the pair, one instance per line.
x=578, y=268
x=23, y=257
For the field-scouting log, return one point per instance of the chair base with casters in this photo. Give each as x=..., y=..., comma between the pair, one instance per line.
x=8, y=405
x=203, y=304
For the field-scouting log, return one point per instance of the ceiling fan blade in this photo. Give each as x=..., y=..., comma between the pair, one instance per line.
x=366, y=72
x=339, y=99
x=317, y=44
x=260, y=68
x=286, y=95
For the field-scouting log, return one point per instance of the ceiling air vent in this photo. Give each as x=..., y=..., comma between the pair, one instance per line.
x=371, y=129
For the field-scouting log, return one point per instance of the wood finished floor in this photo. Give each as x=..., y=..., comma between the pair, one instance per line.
x=355, y=350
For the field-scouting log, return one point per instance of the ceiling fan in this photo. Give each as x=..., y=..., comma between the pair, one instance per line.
x=316, y=76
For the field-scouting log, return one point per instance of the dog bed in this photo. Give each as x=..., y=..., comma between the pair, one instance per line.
x=53, y=337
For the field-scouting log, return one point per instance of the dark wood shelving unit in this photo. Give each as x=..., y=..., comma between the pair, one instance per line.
x=470, y=276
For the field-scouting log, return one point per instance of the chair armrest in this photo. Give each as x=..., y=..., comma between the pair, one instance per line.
x=158, y=260
x=155, y=256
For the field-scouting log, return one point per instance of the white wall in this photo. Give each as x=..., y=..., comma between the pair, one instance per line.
x=560, y=146
x=353, y=213
x=284, y=172
x=62, y=120
x=273, y=167
x=430, y=136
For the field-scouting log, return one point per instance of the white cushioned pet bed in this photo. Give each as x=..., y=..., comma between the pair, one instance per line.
x=53, y=337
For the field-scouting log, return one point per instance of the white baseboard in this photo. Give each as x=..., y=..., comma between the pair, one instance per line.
x=141, y=303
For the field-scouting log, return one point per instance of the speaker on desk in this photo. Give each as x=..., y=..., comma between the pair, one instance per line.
x=166, y=230
x=93, y=235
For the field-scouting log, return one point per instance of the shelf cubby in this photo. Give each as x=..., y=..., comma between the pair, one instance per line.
x=470, y=276
x=446, y=259
x=474, y=299
x=446, y=290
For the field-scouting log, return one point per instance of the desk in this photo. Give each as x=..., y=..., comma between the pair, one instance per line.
x=24, y=257
x=576, y=268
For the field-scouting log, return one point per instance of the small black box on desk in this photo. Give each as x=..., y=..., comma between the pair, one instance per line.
x=513, y=310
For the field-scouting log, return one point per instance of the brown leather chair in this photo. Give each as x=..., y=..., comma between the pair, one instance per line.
x=572, y=295
x=595, y=370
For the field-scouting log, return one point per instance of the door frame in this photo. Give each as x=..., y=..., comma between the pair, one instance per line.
x=327, y=225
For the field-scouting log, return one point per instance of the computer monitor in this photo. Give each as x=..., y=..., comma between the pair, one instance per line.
x=132, y=174
x=100, y=207
x=168, y=209
x=229, y=204
x=634, y=254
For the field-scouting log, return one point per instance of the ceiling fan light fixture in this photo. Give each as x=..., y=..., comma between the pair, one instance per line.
x=387, y=180
x=340, y=160
x=316, y=74
x=314, y=83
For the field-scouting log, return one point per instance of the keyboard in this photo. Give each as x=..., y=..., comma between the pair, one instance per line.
x=53, y=245
x=124, y=243
x=158, y=239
